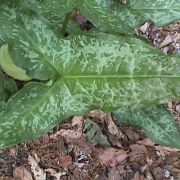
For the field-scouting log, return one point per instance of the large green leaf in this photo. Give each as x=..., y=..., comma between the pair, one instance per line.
x=114, y=16
x=156, y=121
x=102, y=79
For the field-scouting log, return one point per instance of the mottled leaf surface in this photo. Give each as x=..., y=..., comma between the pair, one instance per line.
x=53, y=9
x=157, y=122
x=114, y=16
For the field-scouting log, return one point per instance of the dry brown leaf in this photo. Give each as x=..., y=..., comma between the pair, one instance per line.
x=145, y=28
x=168, y=40
x=53, y=173
x=98, y=115
x=161, y=150
x=138, y=176
x=112, y=128
x=113, y=174
x=170, y=105
x=114, y=140
x=146, y=142
x=65, y=161
x=69, y=134
x=36, y=170
x=137, y=149
x=78, y=121
x=21, y=173
x=111, y=156
x=132, y=135
x=13, y=151
x=83, y=145
x=177, y=37
x=149, y=176
x=159, y=173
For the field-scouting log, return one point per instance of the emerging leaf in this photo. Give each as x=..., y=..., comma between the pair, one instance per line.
x=9, y=67
x=157, y=122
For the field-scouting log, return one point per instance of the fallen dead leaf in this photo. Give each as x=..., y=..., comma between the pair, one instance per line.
x=65, y=161
x=138, y=176
x=113, y=174
x=83, y=145
x=145, y=28
x=137, y=150
x=158, y=173
x=132, y=135
x=36, y=170
x=69, y=134
x=114, y=140
x=168, y=40
x=149, y=176
x=146, y=142
x=112, y=128
x=53, y=173
x=161, y=150
x=21, y=173
x=78, y=121
x=111, y=156
x=98, y=115
x=13, y=152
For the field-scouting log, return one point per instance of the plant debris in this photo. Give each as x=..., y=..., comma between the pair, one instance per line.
x=93, y=146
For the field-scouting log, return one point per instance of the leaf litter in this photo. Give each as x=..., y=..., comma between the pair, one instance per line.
x=93, y=146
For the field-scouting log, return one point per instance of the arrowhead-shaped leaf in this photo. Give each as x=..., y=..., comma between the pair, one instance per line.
x=156, y=121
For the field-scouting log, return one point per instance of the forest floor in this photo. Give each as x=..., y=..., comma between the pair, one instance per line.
x=93, y=146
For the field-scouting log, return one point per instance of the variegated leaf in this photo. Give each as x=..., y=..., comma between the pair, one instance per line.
x=115, y=16
x=157, y=122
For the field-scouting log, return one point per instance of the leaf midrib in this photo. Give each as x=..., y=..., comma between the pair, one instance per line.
x=118, y=76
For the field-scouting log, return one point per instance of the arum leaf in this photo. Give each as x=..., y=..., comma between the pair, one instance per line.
x=114, y=16
x=21, y=121
x=156, y=121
